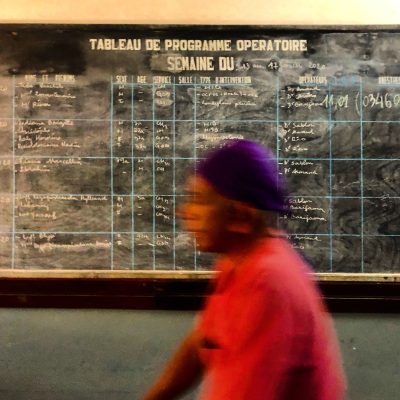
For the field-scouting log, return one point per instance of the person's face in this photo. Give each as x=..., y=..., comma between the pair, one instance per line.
x=204, y=214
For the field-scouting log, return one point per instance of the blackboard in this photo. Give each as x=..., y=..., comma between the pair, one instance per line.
x=99, y=125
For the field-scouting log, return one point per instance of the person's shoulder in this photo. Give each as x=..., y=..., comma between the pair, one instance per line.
x=278, y=266
x=277, y=256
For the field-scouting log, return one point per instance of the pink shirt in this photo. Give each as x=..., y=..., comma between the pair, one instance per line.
x=266, y=333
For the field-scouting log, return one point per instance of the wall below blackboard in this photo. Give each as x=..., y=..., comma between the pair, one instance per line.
x=107, y=354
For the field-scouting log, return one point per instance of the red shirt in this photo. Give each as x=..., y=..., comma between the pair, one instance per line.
x=266, y=335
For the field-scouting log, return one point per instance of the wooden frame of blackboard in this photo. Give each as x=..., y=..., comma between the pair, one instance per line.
x=181, y=290
x=173, y=290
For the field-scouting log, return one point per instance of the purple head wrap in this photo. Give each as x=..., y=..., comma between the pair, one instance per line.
x=248, y=172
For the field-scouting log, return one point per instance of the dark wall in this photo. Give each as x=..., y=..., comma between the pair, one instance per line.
x=51, y=354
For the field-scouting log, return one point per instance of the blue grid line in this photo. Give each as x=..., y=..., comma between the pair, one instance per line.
x=195, y=152
x=19, y=232
x=272, y=121
x=132, y=182
x=22, y=195
x=345, y=197
x=14, y=173
x=193, y=158
x=73, y=196
x=362, y=175
x=96, y=268
x=71, y=232
x=369, y=121
x=189, y=84
x=342, y=235
x=98, y=158
x=112, y=174
x=265, y=121
x=154, y=182
x=338, y=159
x=277, y=138
x=94, y=195
x=331, y=82
x=107, y=233
x=173, y=170
x=277, y=118
x=68, y=157
x=330, y=183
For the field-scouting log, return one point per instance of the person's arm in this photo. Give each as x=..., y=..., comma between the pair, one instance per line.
x=181, y=373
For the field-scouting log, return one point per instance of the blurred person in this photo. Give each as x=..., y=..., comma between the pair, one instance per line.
x=264, y=333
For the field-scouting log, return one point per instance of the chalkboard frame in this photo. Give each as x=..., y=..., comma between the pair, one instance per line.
x=147, y=290
x=182, y=290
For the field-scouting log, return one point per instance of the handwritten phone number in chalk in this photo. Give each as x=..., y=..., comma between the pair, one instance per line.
x=370, y=100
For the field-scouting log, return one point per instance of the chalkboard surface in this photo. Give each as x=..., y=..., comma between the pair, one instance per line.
x=99, y=124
